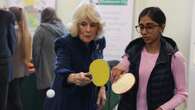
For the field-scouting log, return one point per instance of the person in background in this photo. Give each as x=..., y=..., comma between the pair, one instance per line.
x=7, y=48
x=73, y=89
x=21, y=59
x=47, y=32
x=157, y=64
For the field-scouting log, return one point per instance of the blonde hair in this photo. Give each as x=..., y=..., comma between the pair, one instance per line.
x=86, y=11
x=23, y=32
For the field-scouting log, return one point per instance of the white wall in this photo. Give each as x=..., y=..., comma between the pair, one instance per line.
x=2, y=3
x=191, y=105
x=65, y=9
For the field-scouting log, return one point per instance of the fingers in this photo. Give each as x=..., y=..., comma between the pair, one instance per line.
x=85, y=76
x=100, y=104
x=101, y=99
x=115, y=74
x=31, y=70
x=98, y=101
x=79, y=79
x=30, y=67
x=89, y=76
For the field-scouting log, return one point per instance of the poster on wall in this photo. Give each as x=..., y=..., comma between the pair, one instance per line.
x=33, y=9
x=118, y=15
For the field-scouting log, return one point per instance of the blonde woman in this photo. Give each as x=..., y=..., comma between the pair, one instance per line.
x=75, y=91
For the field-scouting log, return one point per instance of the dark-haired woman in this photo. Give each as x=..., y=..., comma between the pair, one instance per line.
x=158, y=65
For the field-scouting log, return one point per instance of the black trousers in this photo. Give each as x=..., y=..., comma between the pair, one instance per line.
x=3, y=96
x=42, y=95
x=14, y=95
x=4, y=75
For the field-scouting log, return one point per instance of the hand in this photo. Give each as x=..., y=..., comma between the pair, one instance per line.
x=30, y=67
x=115, y=74
x=79, y=79
x=101, y=98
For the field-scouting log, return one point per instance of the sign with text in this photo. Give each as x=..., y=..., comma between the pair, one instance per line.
x=110, y=2
x=118, y=16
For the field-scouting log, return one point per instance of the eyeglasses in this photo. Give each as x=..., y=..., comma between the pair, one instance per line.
x=149, y=28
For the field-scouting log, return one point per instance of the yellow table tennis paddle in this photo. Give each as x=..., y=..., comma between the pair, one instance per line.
x=124, y=83
x=100, y=72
